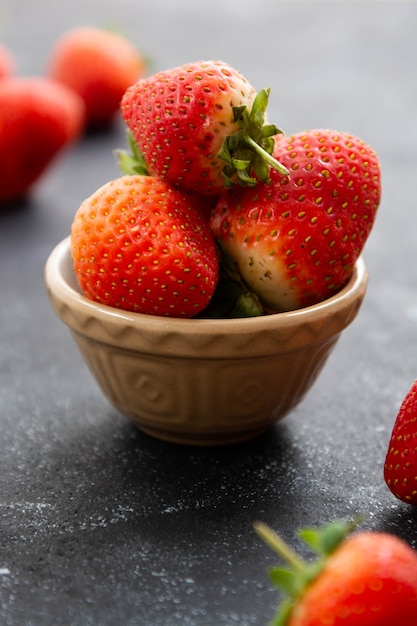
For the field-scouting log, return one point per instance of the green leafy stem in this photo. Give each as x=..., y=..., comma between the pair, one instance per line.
x=294, y=579
x=248, y=152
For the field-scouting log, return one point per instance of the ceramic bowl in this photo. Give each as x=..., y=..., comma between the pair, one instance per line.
x=201, y=381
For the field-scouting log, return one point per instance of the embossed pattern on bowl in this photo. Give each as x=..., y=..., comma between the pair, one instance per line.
x=200, y=381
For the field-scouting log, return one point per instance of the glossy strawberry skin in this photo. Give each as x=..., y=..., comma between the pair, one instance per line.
x=39, y=118
x=370, y=580
x=296, y=240
x=180, y=117
x=400, y=468
x=99, y=65
x=139, y=245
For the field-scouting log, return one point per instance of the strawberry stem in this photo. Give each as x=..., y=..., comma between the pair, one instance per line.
x=248, y=152
x=279, y=546
x=276, y=165
x=294, y=579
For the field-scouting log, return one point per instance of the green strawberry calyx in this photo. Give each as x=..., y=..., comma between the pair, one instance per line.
x=248, y=152
x=132, y=162
x=294, y=579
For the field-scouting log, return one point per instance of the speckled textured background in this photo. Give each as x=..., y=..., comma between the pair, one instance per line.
x=99, y=523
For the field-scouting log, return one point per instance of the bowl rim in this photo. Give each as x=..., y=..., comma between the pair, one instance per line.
x=60, y=258
x=70, y=305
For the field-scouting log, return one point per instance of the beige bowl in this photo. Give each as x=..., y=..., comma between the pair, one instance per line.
x=201, y=381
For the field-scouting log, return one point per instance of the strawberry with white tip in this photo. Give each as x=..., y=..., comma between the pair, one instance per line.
x=295, y=240
x=201, y=127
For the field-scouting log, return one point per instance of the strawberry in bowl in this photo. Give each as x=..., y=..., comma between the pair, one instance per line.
x=140, y=245
x=201, y=127
x=295, y=240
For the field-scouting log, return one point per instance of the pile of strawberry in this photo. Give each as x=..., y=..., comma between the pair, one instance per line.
x=218, y=212
x=88, y=71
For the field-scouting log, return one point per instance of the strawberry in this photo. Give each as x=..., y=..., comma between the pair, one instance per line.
x=201, y=126
x=139, y=245
x=99, y=65
x=38, y=119
x=132, y=162
x=7, y=62
x=365, y=579
x=295, y=240
x=400, y=468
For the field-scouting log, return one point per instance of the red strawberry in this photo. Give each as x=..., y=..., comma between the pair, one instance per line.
x=367, y=579
x=400, y=469
x=296, y=239
x=138, y=244
x=132, y=162
x=99, y=65
x=7, y=63
x=38, y=118
x=201, y=126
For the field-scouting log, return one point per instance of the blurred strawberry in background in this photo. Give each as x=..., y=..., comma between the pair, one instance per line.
x=39, y=117
x=99, y=65
x=7, y=62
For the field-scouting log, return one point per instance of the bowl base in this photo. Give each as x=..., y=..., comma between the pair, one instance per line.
x=204, y=439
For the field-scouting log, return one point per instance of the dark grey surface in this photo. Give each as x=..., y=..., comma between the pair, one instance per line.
x=101, y=524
